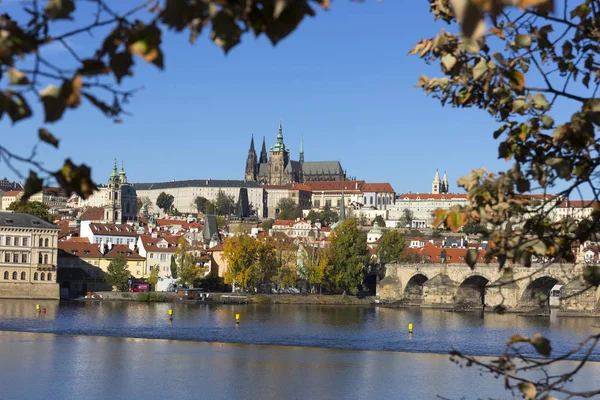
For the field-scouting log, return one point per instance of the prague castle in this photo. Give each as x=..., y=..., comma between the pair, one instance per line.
x=277, y=168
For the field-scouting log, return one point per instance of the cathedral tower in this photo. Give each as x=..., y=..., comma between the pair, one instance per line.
x=279, y=157
x=263, y=154
x=436, y=185
x=445, y=186
x=251, y=163
x=301, y=159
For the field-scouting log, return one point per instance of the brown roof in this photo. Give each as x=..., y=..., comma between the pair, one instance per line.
x=54, y=190
x=378, y=187
x=151, y=244
x=11, y=193
x=93, y=214
x=218, y=247
x=77, y=248
x=430, y=196
x=113, y=229
x=284, y=222
x=124, y=250
x=577, y=204
x=347, y=186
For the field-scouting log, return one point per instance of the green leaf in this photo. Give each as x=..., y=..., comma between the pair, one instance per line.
x=456, y=220
x=59, y=9
x=523, y=41
x=541, y=345
x=540, y=102
x=519, y=105
x=479, y=69
x=33, y=185
x=471, y=257
x=54, y=104
x=528, y=389
x=547, y=121
x=18, y=108
x=17, y=77
x=46, y=136
x=516, y=80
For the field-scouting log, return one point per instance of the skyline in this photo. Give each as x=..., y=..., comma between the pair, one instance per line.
x=348, y=93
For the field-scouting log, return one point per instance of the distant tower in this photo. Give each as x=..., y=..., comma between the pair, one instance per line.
x=436, y=184
x=251, y=164
x=446, y=187
x=343, y=207
x=263, y=154
x=301, y=159
x=112, y=208
x=279, y=157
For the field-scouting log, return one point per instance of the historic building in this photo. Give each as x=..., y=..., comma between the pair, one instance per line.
x=118, y=199
x=28, y=257
x=277, y=168
x=440, y=186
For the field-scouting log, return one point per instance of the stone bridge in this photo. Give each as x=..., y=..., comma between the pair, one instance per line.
x=456, y=285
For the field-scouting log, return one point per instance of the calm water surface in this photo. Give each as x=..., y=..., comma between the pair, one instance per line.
x=79, y=350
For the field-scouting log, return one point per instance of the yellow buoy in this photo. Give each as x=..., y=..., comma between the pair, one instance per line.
x=410, y=328
x=37, y=307
x=170, y=312
x=237, y=318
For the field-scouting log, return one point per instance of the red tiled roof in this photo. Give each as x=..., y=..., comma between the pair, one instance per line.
x=151, y=244
x=577, y=204
x=11, y=193
x=93, y=214
x=284, y=222
x=383, y=187
x=430, y=196
x=433, y=253
x=53, y=189
x=219, y=247
x=347, y=186
x=78, y=248
x=124, y=250
x=326, y=229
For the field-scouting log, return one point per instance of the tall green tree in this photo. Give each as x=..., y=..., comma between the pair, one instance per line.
x=312, y=216
x=200, y=204
x=153, y=278
x=390, y=247
x=117, y=275
x=380, y=221
x=188, y=269
x=407, y=218
x=224, y=204
x=328, y=216
x=348, y=255
x=173, y=267
x=165, y=201
x=288, y=209
x=35, y=208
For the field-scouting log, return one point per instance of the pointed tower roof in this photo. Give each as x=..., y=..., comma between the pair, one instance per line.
x=122, y=168
x=436, y=178
x=301, y=150
x=279, y=146
x=445, y=178
x=263, y=153
x=252, y=143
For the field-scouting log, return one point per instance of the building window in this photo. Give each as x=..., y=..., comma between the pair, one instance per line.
x=23, y=275
x=16, y=242
x=24, y=258
x=40, y=259
x=35, y=276
x=25, y=241
x=16, y=258
x=46, y=242
x=151, y=255
x=327, y=203
x=7, y=257
x=42, y=276
x=339, y=203
x=6, y=275
x=45, y=258
x=371, y=200
x=41, y=242
x=49, y=276
x=8, y=240
x=163, y=257
x=14, y=275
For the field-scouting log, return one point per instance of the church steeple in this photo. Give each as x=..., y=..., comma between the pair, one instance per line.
x=445, y=186
x=301, y=159
x=436, y=184
x=115, y=174
x=279, y=145
x=263, y=154
x=251, y=164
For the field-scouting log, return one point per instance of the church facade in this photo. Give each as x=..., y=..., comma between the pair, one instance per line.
x=277, y=167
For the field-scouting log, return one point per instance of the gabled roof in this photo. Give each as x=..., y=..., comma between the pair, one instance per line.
x=92, y=214
x=11, y=193
x=383, y=187
x=150, y=244
x=77, y=248
x=124, y=250
x=284, y=222
x=22, y=220
x=322, y=167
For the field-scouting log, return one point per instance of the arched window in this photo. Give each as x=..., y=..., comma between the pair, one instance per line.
x=46, y=243
x=35, y=276
x=42, y=276
x=40, y=259
x=45, y=258
x=41, y=242
x=6, y=275
x=23, y=275
x=14, y=275
x=49, y=276
x=116, y=195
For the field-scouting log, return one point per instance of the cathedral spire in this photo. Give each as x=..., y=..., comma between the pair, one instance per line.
x=301, y=150
x=445, y=184
x=263, y=153
x=252, y=143
x=251, y=164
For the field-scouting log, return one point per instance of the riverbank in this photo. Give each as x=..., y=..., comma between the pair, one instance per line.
x=168, y=297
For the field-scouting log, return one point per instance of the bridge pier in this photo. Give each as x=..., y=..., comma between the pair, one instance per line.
x=502, y=293
x=576, y=297
x=439, y=292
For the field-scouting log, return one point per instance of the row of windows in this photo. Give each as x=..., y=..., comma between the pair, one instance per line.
x=15, y=257
x=163, y=256
x=118, y=240
x=15, y=240
x=42, y=276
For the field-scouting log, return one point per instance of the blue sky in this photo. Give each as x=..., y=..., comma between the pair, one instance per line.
x=342, y=81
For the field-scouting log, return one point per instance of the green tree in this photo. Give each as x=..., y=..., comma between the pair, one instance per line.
x=380, y=221
x=390, y=247
x=173, y=267
x=35, y=208
x=117, y=274
x=221, y=222
x=241, y=254
x=363, y=219
x=165, y=201
x=316, y=269
x=312, y=216
x=348, y=255
x=200, y=204
x=288, y=209
x=328, y=216
x=224, y=204
x=188, y=269
x=268, y=224
x=153, y=278
x=407, y=218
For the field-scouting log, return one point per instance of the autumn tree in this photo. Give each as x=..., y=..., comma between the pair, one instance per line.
x=117, y=275
x=165, y=201
x=348, y=256
x=35, y=208
x=188, y=269
x=240, y=253
x=173, y=267
x=534, y=67
x=153, y=278
x=316, y=269
x=268, y=224
x=390, y=247
x=328, y=216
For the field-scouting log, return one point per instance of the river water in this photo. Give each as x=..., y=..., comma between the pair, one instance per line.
x=118, y=350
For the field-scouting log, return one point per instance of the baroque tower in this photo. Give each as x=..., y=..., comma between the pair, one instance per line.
x=112, y=208
x=251, y=163
x=279, y=157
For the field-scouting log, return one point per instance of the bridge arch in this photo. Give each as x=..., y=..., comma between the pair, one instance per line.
x=537, y=291
x=471, y=291
x=414, y=286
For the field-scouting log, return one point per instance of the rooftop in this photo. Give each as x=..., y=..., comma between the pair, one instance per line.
x=21, y=220
x=196, y=183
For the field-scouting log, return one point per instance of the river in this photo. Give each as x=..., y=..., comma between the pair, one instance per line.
x=118, y=350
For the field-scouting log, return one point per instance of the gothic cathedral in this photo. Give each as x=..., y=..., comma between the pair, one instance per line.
x=439, y=186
